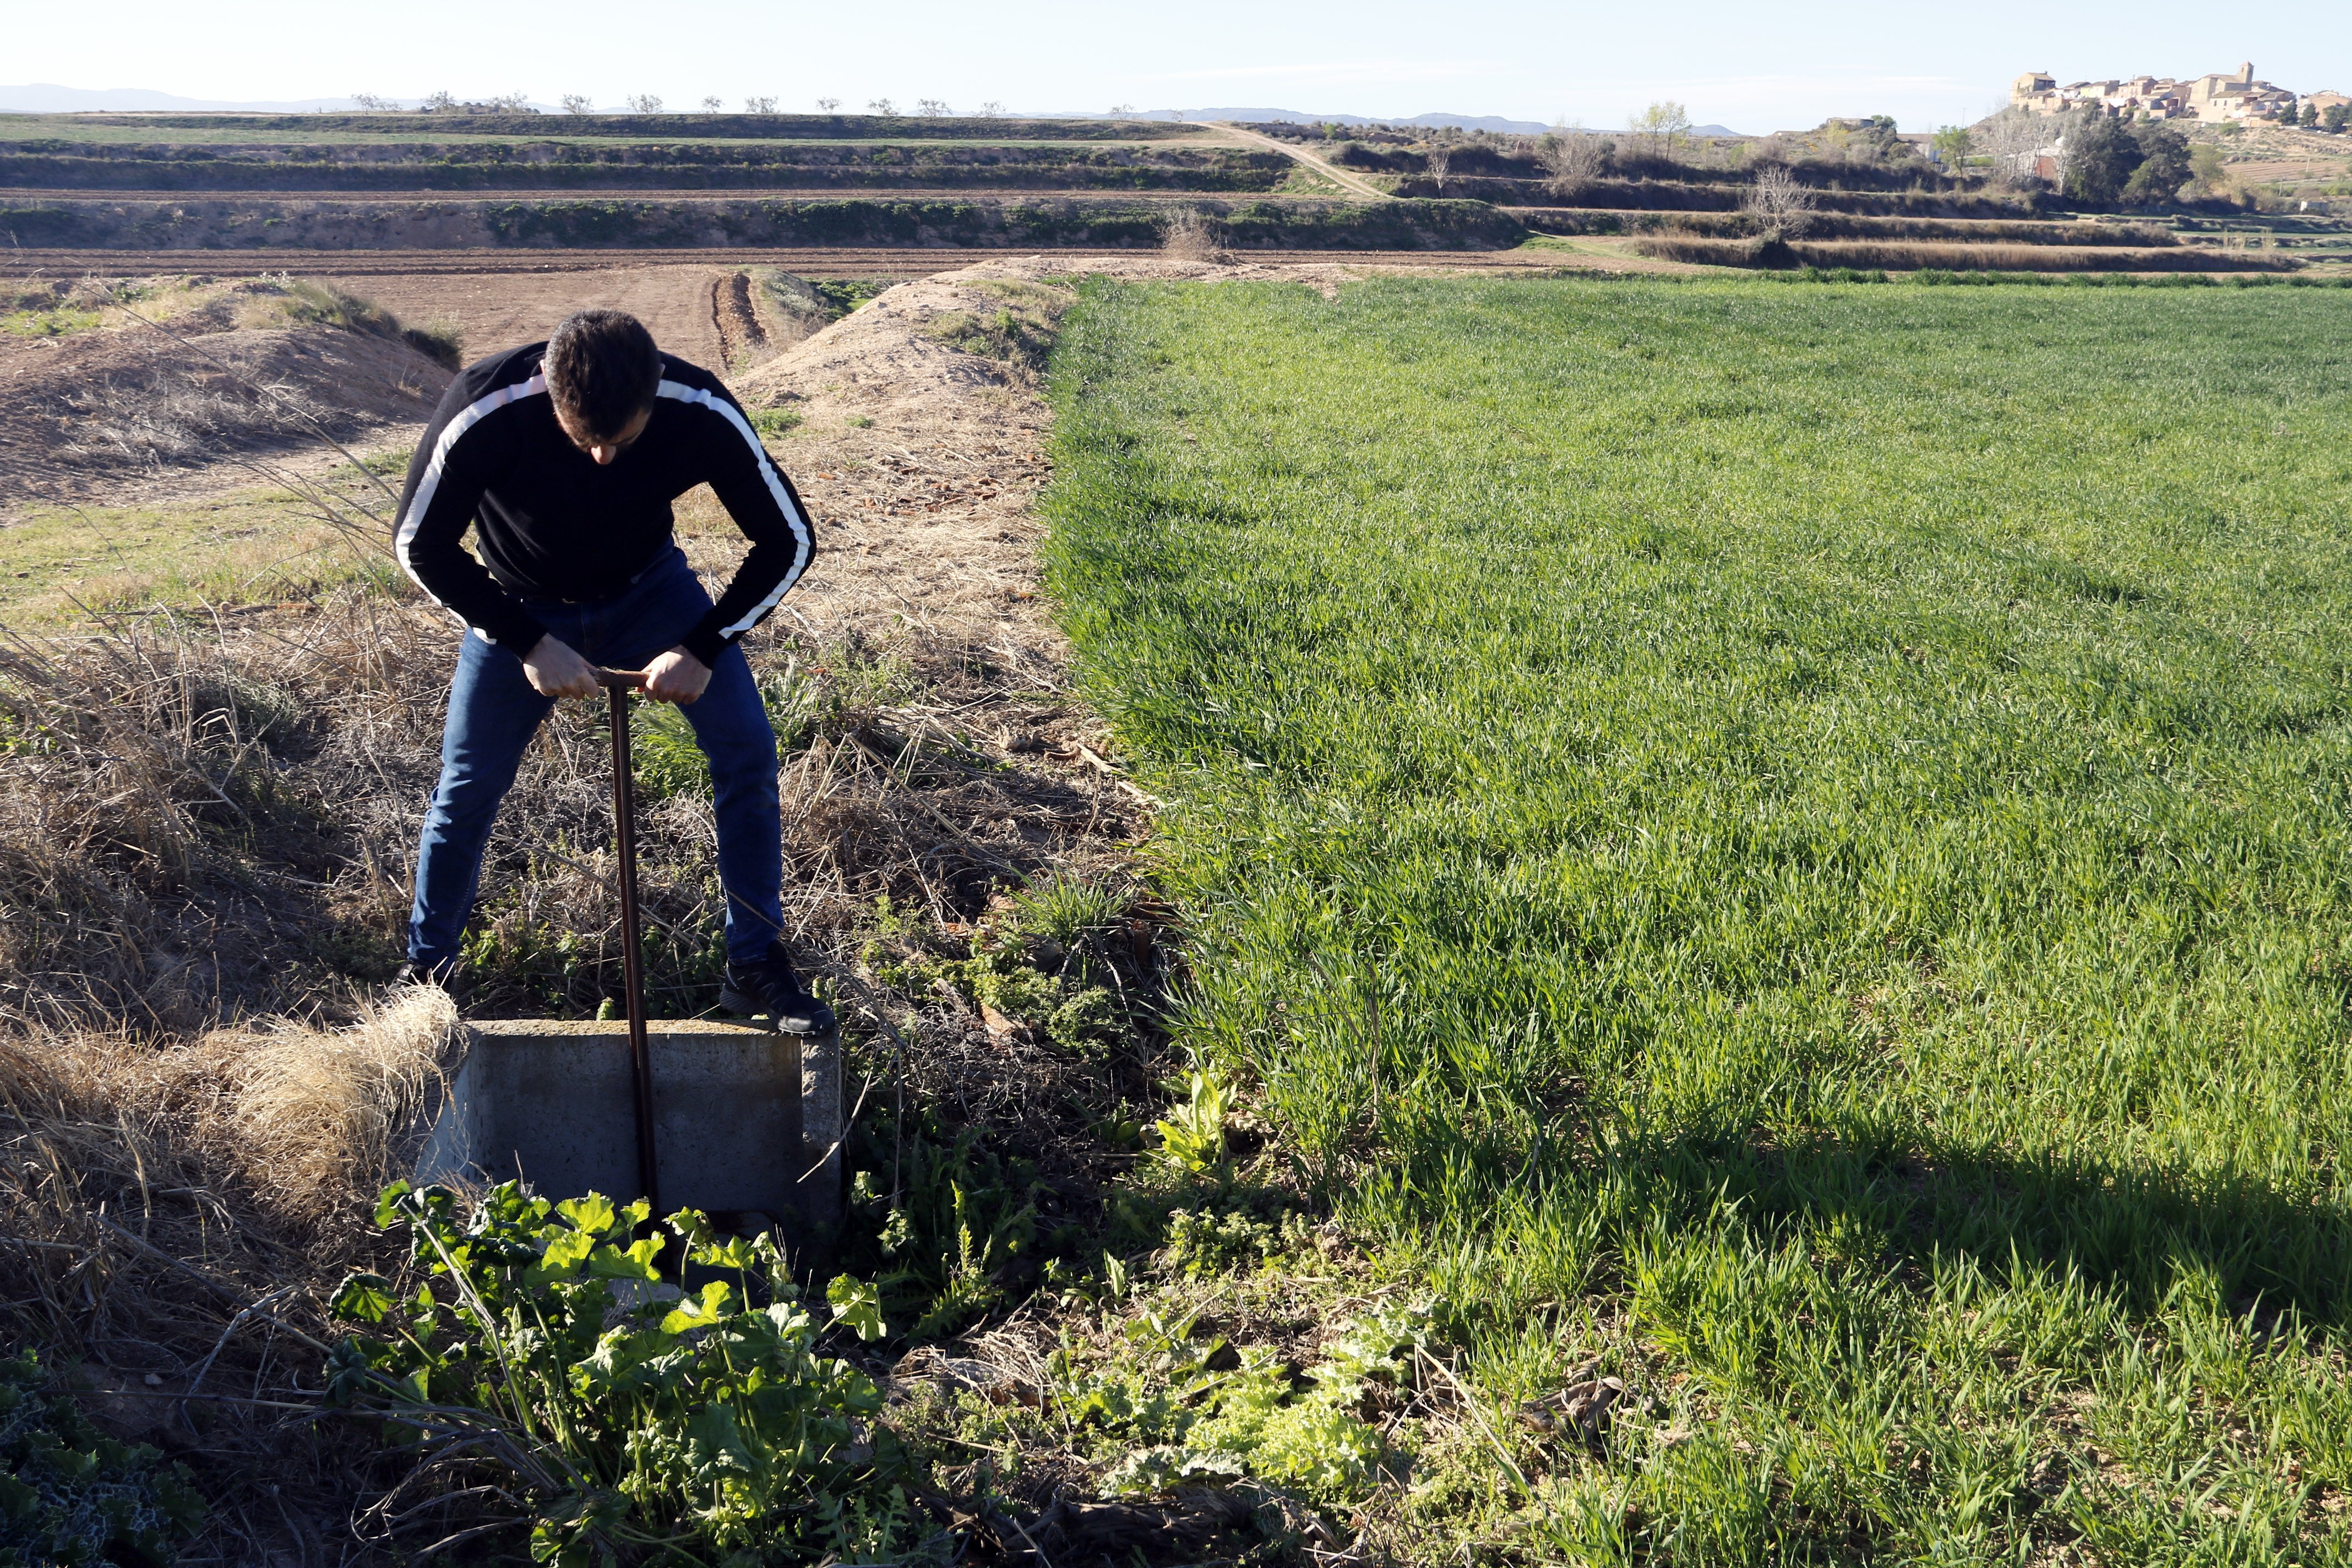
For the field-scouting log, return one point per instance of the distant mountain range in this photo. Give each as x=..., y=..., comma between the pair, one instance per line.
x=48, y=98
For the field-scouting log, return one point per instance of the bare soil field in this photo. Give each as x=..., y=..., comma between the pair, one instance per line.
x=856, y=261
x=490, y=310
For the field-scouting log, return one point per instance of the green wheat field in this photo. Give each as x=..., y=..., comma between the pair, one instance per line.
x=1790, y=839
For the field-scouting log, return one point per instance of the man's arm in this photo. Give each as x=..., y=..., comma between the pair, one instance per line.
x=764, y=505
x=446, y=478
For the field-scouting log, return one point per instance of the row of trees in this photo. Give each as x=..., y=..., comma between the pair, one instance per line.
x=648, y=103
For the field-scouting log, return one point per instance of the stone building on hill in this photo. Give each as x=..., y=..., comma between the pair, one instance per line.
x=2214, y=97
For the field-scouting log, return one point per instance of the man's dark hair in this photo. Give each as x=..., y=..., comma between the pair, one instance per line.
x=601, y=369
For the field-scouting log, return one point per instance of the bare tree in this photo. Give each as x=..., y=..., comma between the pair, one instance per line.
x=438, y=103
x=759, y=106
x=827, y=105
x=1571, y=156
x=2015, y=138
x=513, y=103
x=711, y=104
x=643, y=103
x=931, y=108
x=373, y=103
x=881, y=105
x=1783, y=204
x=992, y=110
x=1436, y=159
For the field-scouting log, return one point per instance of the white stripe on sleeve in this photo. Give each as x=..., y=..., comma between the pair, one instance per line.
x=470, y=415
x=804, y=540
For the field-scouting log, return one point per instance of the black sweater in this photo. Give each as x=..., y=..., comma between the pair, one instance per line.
x=550, y=523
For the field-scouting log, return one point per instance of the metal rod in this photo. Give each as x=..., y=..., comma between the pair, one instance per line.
x=632, y=960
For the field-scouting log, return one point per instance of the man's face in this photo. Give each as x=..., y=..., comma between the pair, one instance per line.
x=604, y=448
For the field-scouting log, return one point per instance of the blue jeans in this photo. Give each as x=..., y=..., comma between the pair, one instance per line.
x=494, y=712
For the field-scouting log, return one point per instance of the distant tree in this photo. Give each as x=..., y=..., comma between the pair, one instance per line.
x=931, y=108
x=643, y=103
x=577, y=103
x=513, y=103
x=881, y=105
x=1954, y=144
x=711, y=104
x=827, y=105
x=2205, y=168
x=2012, y=139
x=2311, y=116
x=1436, y=159
x=2101, y=157
x=1784, y=202
x=1660, y=127
x=2164, y=166
x=1884, y=138
x=438, y=103
x=759, y=106
x=1571, y=156
x=992, y=110
x=1121, y=110
x=2335, y=115
x=371, y=103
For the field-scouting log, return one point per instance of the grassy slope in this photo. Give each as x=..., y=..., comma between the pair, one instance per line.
x=1790, y=838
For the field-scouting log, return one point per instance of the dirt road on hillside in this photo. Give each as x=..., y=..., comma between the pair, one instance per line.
x=1350, y=183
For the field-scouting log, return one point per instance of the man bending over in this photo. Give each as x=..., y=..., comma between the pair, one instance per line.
x=565, y=457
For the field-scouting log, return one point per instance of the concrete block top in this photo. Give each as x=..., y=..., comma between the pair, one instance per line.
x=609, y=1028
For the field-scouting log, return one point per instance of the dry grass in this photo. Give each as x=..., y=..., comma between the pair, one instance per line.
x=174, y=1220
x=206, y=821
x=1191, y=236
x=322, y=1118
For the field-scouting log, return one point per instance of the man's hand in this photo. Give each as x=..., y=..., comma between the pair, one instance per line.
x=677, y=677
x=556, y=670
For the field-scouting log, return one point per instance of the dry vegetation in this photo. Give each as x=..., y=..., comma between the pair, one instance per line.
x=1911, y=255
x=206, y=821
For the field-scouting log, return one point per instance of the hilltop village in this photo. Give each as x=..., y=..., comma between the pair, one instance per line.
x=2234, y=97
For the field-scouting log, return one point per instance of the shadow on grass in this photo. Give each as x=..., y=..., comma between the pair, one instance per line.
x=2130, y=1231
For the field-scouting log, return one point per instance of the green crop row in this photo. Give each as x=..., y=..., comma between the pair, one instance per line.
x=1787, y=844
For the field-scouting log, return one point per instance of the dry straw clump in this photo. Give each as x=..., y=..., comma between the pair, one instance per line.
x=173, y=1221
x=1192, y=235
x=323, y=1119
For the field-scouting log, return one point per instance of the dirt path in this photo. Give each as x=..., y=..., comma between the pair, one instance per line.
x=1350, y=183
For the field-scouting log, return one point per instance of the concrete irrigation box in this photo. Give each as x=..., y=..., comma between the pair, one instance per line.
x=747, y=1121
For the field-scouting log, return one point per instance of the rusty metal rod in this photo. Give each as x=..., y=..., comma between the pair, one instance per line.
x=619, y=684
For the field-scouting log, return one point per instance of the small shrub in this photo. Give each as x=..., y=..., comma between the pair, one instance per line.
x=698, y=1424
x=71, y=1494
x=771, y=422
x=1190, y=235
x=1193, y=1135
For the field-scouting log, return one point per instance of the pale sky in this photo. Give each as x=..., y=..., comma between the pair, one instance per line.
x=1755, y=67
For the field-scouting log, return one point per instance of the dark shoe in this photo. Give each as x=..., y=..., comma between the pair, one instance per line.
x=768, y=987
x=416, y=973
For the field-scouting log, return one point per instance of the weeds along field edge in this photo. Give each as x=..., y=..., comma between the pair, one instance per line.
x=1784, y=845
